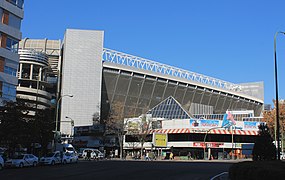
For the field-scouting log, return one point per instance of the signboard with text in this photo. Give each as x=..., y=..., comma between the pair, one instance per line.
x=160, y=140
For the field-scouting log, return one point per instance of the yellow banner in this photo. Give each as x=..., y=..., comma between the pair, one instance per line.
x=160, y=140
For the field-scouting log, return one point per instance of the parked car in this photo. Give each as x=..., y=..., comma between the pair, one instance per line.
x=70, y=158
x=95, y=153
x=1, y=163
x=52, y=158
x=282, y=155
x=22, y=160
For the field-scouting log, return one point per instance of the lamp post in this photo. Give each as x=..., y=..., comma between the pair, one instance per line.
x=277, y=124
x=57, y=107
x=211, y=130
x=206, y=137
x=232, y=141
x=71, y=123
x=56, y=119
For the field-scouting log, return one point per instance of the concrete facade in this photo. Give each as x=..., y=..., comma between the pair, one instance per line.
x=81, y=77
x=11, y=14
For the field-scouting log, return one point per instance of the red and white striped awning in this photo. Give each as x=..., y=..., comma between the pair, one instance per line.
x=214, y=131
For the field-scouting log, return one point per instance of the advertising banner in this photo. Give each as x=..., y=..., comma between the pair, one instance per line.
x=160, y=140
x=204, y=123
x=251, y=125
x=209, y=124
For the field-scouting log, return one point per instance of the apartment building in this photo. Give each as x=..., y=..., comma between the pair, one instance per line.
x=11, y=12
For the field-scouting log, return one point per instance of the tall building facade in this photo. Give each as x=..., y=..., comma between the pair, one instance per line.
x=81, y=77
x=11, y=12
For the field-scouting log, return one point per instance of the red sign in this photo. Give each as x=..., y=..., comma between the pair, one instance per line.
x=198, y=144
x=209, y=145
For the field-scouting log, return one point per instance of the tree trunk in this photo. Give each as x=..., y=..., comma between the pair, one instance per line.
x=120, y=138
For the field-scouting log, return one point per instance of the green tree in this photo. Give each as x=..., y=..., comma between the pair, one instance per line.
x=14, y=130
x=18, y=129
x=264, y=149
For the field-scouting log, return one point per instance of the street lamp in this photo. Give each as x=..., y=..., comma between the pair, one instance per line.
x=206, y=137
x=277, y=124
x=57, y=108
x=71, y=123
x=232, y=141
x=216, y=128
x=56, y=118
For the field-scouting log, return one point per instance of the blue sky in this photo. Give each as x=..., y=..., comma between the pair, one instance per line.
x=226, y=39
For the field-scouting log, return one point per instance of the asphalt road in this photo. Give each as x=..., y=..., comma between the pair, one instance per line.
x=117, y=170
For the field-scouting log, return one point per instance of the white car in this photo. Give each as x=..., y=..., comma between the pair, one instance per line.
x=95, y=153
x=70, y=158
x=1, y=163
x=22, y=160
x=52, y=158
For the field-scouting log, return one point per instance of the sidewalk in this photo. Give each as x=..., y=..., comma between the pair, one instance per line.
x=179, y=160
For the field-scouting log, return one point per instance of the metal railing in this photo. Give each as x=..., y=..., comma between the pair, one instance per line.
x=149, y=65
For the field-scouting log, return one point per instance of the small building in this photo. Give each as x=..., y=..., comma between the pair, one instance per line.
x=219, y=135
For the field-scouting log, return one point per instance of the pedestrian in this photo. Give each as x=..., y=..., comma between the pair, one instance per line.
x=189, y=155
x=88, y=155
x=171, y=156
x=147, y=156
x=124, y=155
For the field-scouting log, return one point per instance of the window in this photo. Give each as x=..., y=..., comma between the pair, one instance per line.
x=9, y=70
x=14, y=21
x=9, y=92
x=25, y=71
x=18, y=3
x=12, y=44
x=5, y=17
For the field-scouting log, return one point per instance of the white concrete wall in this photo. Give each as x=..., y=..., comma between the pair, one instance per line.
x=81, y=77
x=177, y=123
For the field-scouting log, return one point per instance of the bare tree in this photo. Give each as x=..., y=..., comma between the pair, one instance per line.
x=140, y=130
x=144, y=130
x=115, y=123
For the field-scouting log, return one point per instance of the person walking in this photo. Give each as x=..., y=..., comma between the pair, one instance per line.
x=189, y=155
x=171, y=156
x=147, y=156
x=88, y=155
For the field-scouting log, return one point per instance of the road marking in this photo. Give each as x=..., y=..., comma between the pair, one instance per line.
x=223, y=173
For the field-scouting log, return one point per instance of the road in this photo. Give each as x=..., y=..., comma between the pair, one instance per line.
x=116, y=169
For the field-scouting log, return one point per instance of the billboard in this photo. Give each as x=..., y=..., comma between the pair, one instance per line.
x=204, y=123
x=160, y=140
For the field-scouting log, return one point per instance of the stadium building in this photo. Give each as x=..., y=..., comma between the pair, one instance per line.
x=99, y=78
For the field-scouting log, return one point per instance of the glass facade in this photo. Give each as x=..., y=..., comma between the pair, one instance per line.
x=169, y=109
x=8, y=92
